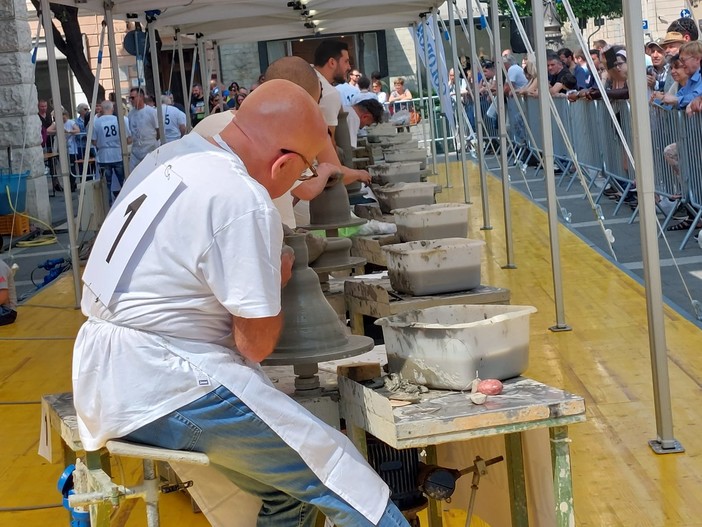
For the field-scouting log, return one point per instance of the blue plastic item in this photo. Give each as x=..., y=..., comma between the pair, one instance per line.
x=14, y=182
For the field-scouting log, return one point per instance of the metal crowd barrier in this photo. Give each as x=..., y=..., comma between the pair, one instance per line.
x=492, y=132
x=689, y=140
x=676, y=137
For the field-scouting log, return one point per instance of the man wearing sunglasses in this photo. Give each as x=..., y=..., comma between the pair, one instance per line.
x=169, y=355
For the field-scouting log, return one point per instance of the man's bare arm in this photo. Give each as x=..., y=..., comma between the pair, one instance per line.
x=256, y=338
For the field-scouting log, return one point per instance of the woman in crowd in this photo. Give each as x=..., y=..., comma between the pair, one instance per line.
x=400, y=93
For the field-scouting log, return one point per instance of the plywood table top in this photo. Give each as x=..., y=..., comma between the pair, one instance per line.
x=446, y=416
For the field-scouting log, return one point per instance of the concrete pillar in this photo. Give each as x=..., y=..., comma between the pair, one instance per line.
x=20, y=127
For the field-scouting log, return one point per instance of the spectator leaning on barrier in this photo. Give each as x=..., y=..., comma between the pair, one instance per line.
x=566, y=56
x=690, y=56
x=671, y=46
x=559, y=77
x=583, y=77
x=657, y=73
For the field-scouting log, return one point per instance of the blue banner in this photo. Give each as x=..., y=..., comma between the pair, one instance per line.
x=425, y=36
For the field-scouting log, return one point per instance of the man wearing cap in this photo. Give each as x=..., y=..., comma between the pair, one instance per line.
x=657, y=73
x=671, y=46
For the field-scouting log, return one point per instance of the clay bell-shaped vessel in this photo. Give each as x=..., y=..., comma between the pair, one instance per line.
x=331, y=209
x=312, y=331
x=336, y=256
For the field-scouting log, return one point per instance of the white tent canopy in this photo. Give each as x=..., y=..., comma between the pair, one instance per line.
x=247, y=21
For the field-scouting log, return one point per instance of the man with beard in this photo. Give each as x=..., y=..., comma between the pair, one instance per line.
x=332, y=64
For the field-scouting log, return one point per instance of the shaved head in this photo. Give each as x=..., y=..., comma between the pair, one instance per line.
x=277, y=130
x=297, y=70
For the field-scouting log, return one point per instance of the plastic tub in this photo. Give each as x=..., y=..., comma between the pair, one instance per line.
x=402, y=155
x=17, y=184
x=381, y=130
x=386, y=173
x=431, y=267
x=431, y=222
x=403, y=195
x=443, y=347
x=397, y=139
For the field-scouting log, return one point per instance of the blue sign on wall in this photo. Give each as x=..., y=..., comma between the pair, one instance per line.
x=685, y=13
x=645, y=25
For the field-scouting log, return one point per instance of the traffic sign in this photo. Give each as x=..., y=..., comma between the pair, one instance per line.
x=685, y=13
x=645, y=25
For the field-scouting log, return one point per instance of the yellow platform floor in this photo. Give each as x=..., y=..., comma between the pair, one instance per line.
x=618, y=480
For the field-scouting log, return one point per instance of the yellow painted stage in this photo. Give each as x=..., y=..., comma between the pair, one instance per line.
x=618, y=480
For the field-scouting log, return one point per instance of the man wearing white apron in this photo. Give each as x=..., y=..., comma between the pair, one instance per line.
x=183, y=298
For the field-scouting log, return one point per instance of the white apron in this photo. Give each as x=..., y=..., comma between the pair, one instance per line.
x=329, y=454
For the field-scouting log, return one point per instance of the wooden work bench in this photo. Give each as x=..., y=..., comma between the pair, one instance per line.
x=373, y=297
x=442, y=417
x=369, y=247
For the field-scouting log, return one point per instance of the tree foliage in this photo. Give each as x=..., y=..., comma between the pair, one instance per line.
x=71, y=45
x=581, y=8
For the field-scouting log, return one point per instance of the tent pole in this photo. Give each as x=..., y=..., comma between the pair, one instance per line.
x=475, y=68
x=157, y=81
x=91, y=126
x=119, y=109
x=457, y=76
x=502, y=122
x=184, y=85
x=664, y=443
x=218, y=63
x=430, y=99
x=193, y=64
x=204, y=73
x=548, y=163
x=419, y=81
x=62, y=151
x=442, y=82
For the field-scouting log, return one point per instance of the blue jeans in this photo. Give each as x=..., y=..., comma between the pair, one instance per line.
x=106, y=170
x=257, y=460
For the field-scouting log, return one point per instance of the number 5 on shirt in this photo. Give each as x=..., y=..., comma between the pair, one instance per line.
x=126, y=224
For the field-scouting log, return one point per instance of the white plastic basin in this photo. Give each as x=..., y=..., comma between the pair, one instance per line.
x=403, y=195
x=442, y=347
x=387, y=173
x=431, y=222
x=431, y=267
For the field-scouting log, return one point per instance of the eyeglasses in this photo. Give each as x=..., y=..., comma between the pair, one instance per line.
x=309, y=165
x=685, y=59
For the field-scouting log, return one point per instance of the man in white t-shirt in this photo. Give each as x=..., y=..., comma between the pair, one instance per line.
x=349, y=89
x=365, y=111
x=332, y=63
x=296, y=70
x=143, y=123
x=106, y=140
x=173, y=120
x=169, y=355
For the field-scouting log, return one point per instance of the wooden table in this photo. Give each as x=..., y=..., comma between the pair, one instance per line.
x=369, y=247
x=447, y=416
x=374, y=297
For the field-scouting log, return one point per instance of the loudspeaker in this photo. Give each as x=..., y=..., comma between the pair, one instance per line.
x=515, y=39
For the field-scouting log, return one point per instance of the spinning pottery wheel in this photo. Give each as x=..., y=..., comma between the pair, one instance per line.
x=312, y=331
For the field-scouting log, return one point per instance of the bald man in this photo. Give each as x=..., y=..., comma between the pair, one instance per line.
x=184, y=302
x=293, y=69
x=298, y=71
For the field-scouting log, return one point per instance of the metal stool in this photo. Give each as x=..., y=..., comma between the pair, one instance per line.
x=94, y=488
